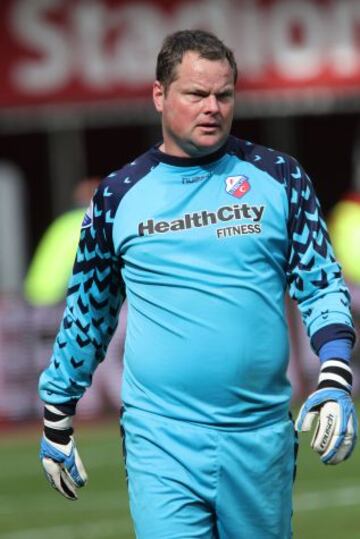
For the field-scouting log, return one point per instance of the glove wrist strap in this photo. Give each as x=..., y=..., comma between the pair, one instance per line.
x=57, y=425
x=335, y=373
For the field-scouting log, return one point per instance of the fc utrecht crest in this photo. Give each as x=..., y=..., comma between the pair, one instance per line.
x=237, y=186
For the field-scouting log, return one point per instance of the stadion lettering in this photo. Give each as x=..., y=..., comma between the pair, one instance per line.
x=61, y=50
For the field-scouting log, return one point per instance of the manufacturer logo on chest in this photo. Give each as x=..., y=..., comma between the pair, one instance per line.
x=237, y=186
x=195, y=179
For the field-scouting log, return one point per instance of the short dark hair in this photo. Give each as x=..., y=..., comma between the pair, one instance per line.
x=177, y=44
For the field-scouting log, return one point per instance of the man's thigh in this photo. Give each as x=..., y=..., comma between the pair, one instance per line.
x=191, y=482
x=254, y=496
x=172, y=477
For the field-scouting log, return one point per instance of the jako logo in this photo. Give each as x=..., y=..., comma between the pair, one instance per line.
x=237, y=186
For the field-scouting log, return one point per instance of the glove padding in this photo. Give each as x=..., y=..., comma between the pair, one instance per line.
x=63, y=467
x=335, y=434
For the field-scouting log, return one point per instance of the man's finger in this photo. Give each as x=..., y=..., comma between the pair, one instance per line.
x=342, y=445
x=327, y=432
x=58, y=478
x=67, y=485
x=304, y=422
x=77, y=473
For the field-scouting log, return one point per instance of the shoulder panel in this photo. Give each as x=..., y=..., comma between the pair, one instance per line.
x=273, y=162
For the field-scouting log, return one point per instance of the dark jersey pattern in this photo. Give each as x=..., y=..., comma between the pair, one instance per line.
x=312, y=270
x=95, y=294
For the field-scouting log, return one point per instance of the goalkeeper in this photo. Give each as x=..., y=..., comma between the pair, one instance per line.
x=203, y=234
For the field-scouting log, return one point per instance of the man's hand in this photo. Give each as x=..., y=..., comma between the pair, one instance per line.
x=58, y=454
x=63, y=467
x=335, y=434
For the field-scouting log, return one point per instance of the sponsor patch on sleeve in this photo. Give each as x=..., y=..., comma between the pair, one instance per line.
x=88, y=217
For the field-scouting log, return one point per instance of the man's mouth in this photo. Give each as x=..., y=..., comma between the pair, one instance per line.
x=209, y=126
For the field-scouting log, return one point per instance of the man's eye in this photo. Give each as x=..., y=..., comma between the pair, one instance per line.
x=225, y=96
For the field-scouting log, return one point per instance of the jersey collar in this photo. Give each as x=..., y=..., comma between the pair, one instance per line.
x=187, y=161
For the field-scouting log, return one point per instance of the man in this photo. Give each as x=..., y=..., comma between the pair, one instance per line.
x=203, y=234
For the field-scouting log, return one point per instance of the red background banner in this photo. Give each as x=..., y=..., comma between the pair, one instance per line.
x=62, y=51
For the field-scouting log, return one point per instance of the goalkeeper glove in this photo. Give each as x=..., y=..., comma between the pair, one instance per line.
x=335, y=434
x=58, y=454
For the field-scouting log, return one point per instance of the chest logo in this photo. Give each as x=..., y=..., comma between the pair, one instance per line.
x=237, y=186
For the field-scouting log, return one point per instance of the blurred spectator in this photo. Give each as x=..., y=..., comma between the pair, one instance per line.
x=344, y=229
x=50, y=268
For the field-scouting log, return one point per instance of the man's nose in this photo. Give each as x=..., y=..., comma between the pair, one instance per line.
x=211, y=104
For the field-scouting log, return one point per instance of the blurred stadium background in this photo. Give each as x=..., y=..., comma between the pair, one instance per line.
x=74, y=105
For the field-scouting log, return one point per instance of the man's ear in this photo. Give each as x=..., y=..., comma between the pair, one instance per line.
x=158, y=95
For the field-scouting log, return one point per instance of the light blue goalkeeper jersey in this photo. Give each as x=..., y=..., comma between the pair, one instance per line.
x=204, y=250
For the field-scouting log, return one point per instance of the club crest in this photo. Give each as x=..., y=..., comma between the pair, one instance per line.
x=237, y=186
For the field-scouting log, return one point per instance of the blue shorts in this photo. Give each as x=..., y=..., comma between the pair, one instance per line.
x=187, y=481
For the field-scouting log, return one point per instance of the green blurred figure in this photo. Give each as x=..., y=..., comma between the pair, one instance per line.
x=344, y=229
x=47, y=277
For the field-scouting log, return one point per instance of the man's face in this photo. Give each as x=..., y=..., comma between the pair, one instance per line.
x=198, y=107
